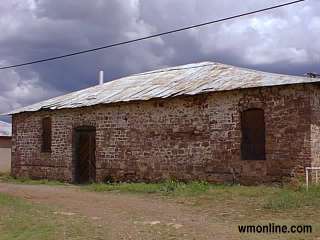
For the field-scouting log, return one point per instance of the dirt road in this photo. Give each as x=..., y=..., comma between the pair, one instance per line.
x=127, y=216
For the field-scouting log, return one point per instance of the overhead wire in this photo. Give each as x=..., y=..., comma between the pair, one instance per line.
x=150, y=36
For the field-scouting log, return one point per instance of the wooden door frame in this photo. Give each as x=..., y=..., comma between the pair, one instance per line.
x=76, y=130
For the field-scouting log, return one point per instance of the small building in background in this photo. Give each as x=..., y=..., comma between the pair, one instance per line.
x=5, y=147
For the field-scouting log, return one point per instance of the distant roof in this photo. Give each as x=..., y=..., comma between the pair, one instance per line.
x=5, y=129
x=188, y=79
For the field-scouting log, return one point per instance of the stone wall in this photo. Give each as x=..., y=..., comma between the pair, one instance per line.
x=315, y=125
x=185, y=138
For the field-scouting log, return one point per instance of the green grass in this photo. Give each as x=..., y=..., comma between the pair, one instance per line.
x=5, y=177
x=288, y=199
x=222, y=205
x=21, y=220
x=273, y=198
x=165, y=188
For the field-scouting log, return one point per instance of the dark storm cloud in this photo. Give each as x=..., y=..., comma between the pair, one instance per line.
x=284, y=40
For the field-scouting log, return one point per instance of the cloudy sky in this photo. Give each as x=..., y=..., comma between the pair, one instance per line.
x=283, y=40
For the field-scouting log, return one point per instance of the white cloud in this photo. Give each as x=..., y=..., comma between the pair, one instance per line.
x=17, y=91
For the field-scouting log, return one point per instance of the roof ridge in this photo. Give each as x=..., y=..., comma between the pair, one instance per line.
x=177, y=68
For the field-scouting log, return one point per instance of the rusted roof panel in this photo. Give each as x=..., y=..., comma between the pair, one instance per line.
x=188, y=79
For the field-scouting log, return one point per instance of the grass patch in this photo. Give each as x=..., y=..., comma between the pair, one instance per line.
x=5, y=177
x=285, y=199
x=224, y=207
x=267, y=197
x=165, y=188
x=22, y=220
x=288, y=199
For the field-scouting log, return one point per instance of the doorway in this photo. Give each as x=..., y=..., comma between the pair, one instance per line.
x=85, y=160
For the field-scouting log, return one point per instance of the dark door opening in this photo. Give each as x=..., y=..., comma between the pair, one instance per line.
x=253, y=135
x=85, y=160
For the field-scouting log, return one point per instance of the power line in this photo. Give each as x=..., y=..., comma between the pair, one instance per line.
x=150, y=36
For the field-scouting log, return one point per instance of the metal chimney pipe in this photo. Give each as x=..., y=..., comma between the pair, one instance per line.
x=100, y=77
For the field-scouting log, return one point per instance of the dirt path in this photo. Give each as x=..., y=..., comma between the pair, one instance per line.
x=126, y=216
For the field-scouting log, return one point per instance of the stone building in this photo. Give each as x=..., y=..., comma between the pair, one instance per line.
x=5, y=147
x=205, y=121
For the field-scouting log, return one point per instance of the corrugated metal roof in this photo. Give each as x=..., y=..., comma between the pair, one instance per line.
x=182, y=80
x=5, y=129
